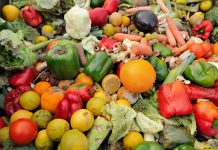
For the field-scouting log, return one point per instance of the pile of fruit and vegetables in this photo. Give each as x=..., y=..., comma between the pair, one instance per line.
x=109, y=75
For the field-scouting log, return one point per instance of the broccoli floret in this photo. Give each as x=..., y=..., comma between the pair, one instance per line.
x=212, y=15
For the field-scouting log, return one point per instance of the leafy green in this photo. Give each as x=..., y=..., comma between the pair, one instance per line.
x=29, y=32
x=82, y=3
x=149, y=107
x=9, y=145
x=121, y=118
x=212, y=15
x=47, y=4
x=20, y=3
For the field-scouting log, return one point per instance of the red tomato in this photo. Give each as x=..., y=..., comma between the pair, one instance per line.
x=23, y=131
x=197, y=49
x=208, y=49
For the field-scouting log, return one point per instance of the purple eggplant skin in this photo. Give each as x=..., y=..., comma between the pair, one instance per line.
x=2, y=4
x=145, y=21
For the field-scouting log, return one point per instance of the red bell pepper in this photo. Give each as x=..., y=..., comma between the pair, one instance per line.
x=2, y=123
x=111, y=6
x=173, y=100
x=12, y=99
x=98, y=16
x=203, y=30
x=205, y=114
x=73, y=100
x=22, y=78
x=71, y=103
x=107, y=43
x=31, y=16
x=196, y=92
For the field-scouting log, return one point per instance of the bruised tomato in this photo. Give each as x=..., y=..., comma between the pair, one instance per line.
x=208, y=49
x=23, y=131
x=197, y=49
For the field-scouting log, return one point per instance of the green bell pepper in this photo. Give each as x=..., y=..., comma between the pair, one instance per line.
x=184, y=147
x=201, y=73
x=98, y=66
x=164, y=51
x=63, y=60
x=96, y=3
x=214, y=35
x=160, y=67
x=148, y=145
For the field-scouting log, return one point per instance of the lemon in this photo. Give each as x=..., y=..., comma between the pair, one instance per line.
x=41, y=39
x=206, y=5
x=30, y=100
x=42, y=141
x=111, y=83
x=21, y=114
x=103, y=95
x=47, y=29
x=132, y=139
x=82, y=120
x=108, y=30
x=200, y=14
x=10, y=12
x=123, y=102
x=95, y=105
x=126, y=21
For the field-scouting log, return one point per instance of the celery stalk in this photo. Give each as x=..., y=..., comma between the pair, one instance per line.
x=174, y=73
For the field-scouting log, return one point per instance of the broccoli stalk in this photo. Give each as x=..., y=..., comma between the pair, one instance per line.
x=174, y=73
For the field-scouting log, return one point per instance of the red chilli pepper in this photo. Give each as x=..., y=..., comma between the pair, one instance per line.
x=111, y=6
x=22, y=78
x=203, y=30
x=107, y=43
x=31, y=16
x=12, y=99
x=206, y=114
x=98, y=16
x=173, y=100
x=196, y=92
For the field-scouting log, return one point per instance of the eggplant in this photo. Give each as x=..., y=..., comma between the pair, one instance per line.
x=145, y=21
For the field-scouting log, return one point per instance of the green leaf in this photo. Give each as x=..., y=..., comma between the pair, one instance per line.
x=20, y=3
x=9, y=37
x=29, y=32
x=9, y=145
x=47, y=4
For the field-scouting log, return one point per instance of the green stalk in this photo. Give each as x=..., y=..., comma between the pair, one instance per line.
x=193, y=1
x=174, y=73
x=188, y=8
x=40, y=45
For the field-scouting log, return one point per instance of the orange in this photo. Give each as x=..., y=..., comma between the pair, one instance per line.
x=84, y=78
x=10, y=12
x=41, y=87
x=215, y=47
x=137, y=76
x=51, y=98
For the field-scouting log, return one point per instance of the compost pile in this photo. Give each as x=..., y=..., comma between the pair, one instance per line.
x=109, y=75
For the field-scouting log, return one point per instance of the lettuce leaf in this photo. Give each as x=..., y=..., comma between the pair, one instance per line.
x=20, y=3
x=47, y=4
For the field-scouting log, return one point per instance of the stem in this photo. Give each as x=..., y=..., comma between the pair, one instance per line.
x=40, y=45
x=174, y=73
x=215, y=123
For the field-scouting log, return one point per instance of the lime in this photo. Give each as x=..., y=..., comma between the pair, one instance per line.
x=41, y=39
x=206, y=5
x=42, y=141
x=30, y=100
x=111, y=83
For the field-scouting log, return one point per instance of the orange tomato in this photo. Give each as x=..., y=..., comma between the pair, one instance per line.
x=215, y=47
x=208, y=49
x=197, y=49
x=137, y=76
x=51, y=98
x=41, y=87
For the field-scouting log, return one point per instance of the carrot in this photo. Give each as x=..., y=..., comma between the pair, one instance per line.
x=141, y=49
x=135, y=9
x=81, y=54
x=171, y=39
x=163, y=6
x=123, y=36
x=175, y=31
x=177, y=51
x=162, y=38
